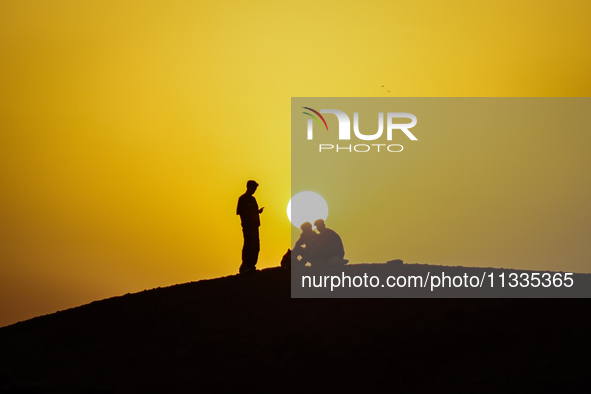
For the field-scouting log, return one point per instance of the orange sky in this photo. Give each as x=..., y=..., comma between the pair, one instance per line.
x=129, y=128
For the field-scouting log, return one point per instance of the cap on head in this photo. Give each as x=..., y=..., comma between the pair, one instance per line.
x=251, y=183
x=306, y=225
x=319, y=223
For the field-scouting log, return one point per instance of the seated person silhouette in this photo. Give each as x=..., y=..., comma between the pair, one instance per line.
x=302, y=251
x=328, y=247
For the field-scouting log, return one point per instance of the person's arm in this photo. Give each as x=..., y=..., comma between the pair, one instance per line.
x=242, y=205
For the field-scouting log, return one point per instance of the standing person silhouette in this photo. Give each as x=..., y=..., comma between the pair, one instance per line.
x=249, y=211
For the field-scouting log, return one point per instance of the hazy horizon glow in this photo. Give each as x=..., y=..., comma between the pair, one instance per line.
x=306, y=206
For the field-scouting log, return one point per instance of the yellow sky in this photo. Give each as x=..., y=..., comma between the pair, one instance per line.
x=490, y=182
x=129, y=128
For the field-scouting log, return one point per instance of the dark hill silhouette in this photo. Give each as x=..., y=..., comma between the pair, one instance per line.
x=245, y=333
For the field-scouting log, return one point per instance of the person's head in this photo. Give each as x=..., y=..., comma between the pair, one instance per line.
x=320, y=225
x=251, y=186
x=306, y=227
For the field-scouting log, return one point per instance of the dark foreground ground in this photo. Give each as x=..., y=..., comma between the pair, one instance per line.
x=246, y=334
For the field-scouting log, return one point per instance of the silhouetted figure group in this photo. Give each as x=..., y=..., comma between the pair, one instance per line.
x=318, y=249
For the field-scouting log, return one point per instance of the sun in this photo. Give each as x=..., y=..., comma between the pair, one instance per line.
x=306, y=207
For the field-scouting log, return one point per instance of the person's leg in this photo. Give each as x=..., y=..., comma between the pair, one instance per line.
x=256, y=247
x=250, y=250
x=244, y=252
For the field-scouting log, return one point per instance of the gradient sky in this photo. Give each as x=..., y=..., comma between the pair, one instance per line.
x=490, y=182
x=129, y=128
